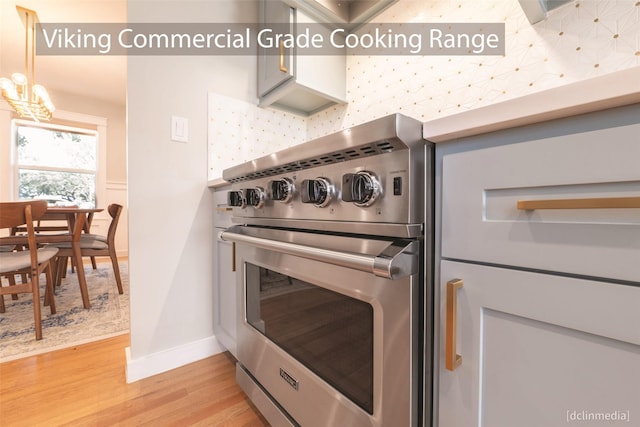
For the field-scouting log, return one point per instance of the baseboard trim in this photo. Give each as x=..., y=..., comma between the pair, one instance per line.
x=166, y=360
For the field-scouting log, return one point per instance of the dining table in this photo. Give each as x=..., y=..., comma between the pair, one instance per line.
x=78, y=221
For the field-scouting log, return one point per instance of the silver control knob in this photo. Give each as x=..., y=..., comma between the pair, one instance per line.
x=236, y=198
x=362, y=188
x=282, y=190
x=255, y=197
x=318, y=191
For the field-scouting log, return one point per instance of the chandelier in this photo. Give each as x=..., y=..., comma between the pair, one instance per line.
x=28, y=101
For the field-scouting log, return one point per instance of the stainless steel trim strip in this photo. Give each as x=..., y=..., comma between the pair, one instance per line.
x=374, y=229
x=398, y=260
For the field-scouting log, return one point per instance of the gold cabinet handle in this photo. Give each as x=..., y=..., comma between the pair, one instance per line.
x=233, y=256
x=282, y=67
x=452, y=359
x=593, y=203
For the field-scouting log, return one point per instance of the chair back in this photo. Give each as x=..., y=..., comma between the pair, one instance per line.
x=14, y=214
x=114, y=210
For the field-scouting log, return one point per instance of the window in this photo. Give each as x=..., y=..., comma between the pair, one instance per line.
x=56, y=163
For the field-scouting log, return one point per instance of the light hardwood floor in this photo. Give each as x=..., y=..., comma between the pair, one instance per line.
x=85, y=386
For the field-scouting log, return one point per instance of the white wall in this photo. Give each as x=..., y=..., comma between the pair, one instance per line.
x=170, y=207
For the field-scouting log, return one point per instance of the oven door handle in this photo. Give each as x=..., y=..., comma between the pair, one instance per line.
x=399, y=259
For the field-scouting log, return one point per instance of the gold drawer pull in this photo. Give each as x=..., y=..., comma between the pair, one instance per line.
x=452, y=359
x=233, y=256
x=282, y=67
x=593, y=203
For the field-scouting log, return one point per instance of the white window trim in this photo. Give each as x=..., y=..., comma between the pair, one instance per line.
x=100, y=123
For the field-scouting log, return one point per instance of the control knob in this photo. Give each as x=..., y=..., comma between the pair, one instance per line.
x=282, y=190
x=235, y=198
x=255, y=197
x=362, y=188
x=318, y=191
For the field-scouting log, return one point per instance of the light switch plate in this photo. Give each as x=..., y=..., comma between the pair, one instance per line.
x=179, y=129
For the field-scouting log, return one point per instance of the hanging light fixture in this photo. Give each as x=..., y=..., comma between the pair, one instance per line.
x=28, y=101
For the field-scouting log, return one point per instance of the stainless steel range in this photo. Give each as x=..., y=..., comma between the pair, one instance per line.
x=334, y=249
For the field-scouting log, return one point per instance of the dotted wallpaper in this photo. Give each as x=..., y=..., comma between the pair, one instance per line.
x=240, y=131
x=577, y=41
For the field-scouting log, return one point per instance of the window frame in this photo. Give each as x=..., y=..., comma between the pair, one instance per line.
x=50, y=127
x=74, y=122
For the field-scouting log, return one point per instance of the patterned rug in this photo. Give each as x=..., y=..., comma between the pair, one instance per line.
x=72, y=324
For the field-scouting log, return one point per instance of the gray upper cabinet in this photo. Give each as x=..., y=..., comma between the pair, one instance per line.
x=297, y=82
x=274, y=64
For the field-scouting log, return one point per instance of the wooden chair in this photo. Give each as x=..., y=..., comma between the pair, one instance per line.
x=93, y=245
x=63, y=217
x=87, y=229
x=31, y=262
x=44, y=225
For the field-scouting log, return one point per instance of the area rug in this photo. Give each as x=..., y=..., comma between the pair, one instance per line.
x=72, y=324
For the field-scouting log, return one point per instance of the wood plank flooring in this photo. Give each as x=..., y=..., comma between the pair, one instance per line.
x=85, y=386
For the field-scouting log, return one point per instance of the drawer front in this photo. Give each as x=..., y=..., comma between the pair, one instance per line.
x=481, y=189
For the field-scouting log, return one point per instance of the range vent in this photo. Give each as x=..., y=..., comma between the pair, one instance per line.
x=372, y=149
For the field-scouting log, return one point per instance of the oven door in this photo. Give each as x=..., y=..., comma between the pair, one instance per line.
x=328, y=327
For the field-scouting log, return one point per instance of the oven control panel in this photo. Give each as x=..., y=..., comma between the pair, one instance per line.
x=361, y=188
x=375, y=191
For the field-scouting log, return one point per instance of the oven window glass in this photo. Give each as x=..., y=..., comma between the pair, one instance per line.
x=330, y=333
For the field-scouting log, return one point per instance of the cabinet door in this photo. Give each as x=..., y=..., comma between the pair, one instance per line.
x=275, y=64
x=538, y=350
x=225, y=285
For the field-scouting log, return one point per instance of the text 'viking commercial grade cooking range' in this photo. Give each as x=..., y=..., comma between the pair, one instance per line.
x=334, y=249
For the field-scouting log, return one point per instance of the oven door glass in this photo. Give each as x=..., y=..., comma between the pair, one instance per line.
x=330, y=333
